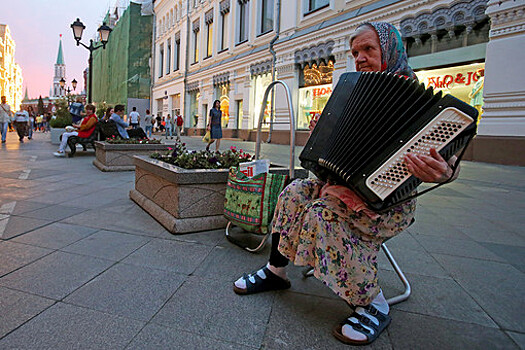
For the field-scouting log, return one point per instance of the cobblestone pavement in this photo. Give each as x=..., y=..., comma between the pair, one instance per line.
x=82, y=266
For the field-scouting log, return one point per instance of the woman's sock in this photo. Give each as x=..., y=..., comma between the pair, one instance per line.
x=241, y=282
x=380, y=304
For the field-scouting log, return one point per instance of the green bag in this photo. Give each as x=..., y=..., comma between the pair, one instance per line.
x=250, y=202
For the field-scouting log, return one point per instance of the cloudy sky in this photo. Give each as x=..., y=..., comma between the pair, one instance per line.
x=36, y=25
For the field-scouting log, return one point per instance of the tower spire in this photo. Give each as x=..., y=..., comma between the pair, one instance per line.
x=60, y=56
x=26, y=97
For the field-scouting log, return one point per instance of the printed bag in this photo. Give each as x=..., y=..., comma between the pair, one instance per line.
x=250, y=202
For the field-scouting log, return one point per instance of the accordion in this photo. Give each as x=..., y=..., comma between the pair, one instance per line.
x=371, y=121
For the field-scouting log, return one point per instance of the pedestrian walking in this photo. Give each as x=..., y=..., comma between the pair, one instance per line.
x=147, y=123
x=134, y=118
x=77, y=110
x=169, y=127
x=214, y=125
x=159, y=123
x=5, y=118
x=21, y=123
x=180, y=123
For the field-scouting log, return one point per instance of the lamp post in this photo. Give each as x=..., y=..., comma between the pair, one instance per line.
x=62, y=83
x=104, y=31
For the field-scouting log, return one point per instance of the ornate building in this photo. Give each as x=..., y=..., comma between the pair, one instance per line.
x=11, y=79
x=60, y=72
x=220, y=49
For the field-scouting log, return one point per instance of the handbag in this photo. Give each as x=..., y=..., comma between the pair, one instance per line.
x=207, y=137
x=250, y=202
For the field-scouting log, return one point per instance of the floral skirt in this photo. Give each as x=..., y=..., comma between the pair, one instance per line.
x=341, y=245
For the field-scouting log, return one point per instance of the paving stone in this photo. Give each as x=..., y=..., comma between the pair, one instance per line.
x=20, y=207
x=16, y=225
x=137, y=224
x=14, y=256
x=211, y=309
x=457, y=247
x=175, y=256
x=211, y=238
x=519, y=339
x=413, y=331
x=55, y=275
x=18, y=307
x=306, y=322
x=126, y=290
x=107, y=245
x=65, y=326
x=157, y=337
x=57, y=196
x=432, y=296
x=511, y=254
x=487, y=282
x=55, y=235
x=413, y=261
x=53, y=212
x=439, y=229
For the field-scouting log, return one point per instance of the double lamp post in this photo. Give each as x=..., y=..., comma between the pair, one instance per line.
x=104, y=31
x=68, y=90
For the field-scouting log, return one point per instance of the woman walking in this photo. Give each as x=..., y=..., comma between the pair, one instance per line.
x=214, y=125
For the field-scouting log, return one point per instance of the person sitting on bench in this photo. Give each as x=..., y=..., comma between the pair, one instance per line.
x=123, y=128
x=329, y=228
x=84, y=130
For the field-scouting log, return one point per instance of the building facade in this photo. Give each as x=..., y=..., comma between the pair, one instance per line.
x=220, y=49
x=11, y=79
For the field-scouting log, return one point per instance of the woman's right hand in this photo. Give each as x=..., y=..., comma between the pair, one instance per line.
x=208, y=128
x=313, y=121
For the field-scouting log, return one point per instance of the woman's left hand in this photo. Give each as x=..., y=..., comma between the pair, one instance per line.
x=429, y=168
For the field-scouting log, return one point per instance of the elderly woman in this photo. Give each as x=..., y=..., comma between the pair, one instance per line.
x=329, y=228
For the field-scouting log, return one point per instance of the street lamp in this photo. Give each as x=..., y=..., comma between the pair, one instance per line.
x=62, y=83
x=103, y=31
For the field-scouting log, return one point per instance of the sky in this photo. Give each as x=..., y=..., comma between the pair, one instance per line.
x=35, y=26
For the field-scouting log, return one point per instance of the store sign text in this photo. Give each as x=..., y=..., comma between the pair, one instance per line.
x=318, y=92
x=448, y=81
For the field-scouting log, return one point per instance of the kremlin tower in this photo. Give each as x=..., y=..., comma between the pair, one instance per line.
x=60, y=72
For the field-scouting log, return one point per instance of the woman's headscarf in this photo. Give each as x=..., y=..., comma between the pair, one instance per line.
x=393, y=55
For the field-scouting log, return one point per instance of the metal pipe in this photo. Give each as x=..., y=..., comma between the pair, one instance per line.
x=274, y=55
x=291, y=116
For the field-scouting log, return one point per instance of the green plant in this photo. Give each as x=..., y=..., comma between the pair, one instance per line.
x=118, y=141
x=63, y=117
x=178, y=155
x=101, y=109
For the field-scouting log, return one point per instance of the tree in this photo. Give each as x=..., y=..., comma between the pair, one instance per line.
x=40, y=106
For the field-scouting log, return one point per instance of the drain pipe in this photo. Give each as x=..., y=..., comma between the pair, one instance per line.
x=274, y=55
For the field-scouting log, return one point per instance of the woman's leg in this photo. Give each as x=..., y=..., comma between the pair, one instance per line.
x=218, y=144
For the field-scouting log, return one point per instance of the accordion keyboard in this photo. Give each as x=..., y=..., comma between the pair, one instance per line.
x=443, y=128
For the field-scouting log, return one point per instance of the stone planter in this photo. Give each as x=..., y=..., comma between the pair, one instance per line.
x=183, y=200
x=55, y=135
x=119, y=157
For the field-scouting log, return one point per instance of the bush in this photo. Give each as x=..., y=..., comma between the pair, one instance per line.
x=63, y=117
x=101, y=109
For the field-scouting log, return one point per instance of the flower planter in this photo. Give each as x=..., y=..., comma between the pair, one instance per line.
x=55, y=135
x=183, y=200
x=119, y=157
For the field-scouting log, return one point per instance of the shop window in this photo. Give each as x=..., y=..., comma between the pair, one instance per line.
x=314, y=5
x=464, y=82
x=315, y=91
x=238, y=103
x=259, y=84
x=194, y=107
x=223, y=92
x=175, y=105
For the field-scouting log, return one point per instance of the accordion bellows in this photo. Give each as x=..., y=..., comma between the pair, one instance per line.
x=369, y=124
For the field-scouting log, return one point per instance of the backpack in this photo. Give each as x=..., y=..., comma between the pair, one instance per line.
x=180, y=121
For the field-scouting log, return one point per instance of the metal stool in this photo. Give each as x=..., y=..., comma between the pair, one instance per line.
x=395, y=299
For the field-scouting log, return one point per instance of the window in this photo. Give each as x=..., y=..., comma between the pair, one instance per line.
x=196, y=28
x=168, y=57
x=224, y=30
x=266, y=16
x=239, y=114
x=209, y=33
x=243, y=21
x=314, y=5
x=176, y=53
x=161, y=60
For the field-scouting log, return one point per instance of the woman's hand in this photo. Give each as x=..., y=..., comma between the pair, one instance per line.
x=208, y=127
x=430, y=168
x=313, y=122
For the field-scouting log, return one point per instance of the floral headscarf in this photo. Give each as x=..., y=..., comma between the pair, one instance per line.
x=393, y=55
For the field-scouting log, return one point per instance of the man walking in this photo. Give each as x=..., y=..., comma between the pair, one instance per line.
x=134, y=118
x=21, y=123
x=5, y=118
x=180, y=122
